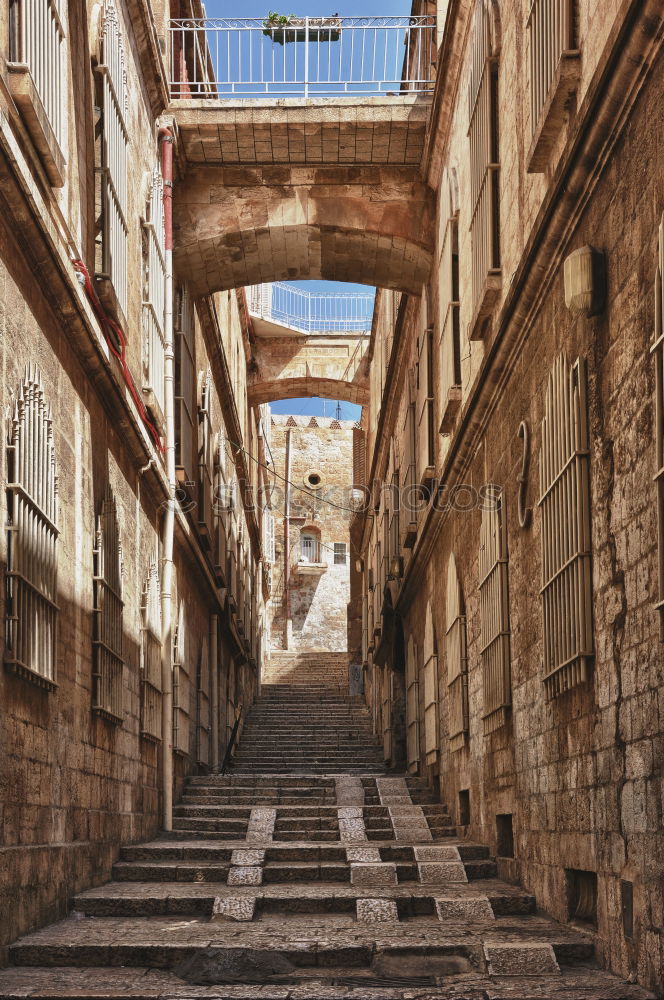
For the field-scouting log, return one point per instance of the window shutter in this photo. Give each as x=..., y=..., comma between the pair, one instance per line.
x=457, y=661
x=565, y=506
x=181, y=685
x=108, y=612
x=151, y=657
x=154, y=293
x=494, y=613
x=185, y=385
x=32, y=515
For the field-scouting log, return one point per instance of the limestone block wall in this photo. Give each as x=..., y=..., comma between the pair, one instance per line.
x=330, y=669
x=317, y=601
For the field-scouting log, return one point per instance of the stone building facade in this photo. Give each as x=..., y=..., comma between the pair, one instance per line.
x=512, y=595
x=312, y=465
x=91, y=751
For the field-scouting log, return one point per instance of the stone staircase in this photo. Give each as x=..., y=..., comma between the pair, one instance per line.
x=308, y=886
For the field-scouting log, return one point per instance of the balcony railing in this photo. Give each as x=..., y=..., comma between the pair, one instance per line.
x=334, y=312
x=306, y=57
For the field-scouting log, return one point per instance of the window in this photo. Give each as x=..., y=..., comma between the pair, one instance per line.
x=339, y=553
x=268, y=535
x=185, y=386
x=504, y=835
x=181, y=686
x=494, y=613
x=565, y=506
x=205, y=458
x=450, y=334
x=151, y=657
x=32, y=515
x=203, y=729
x=412, y=493
x=412, y=708
x=386, y=711
x=430, y=670
x=554, y=73
x=37, y=73
x=457, y=660
x=309, y=547
x=464, y=807
x=108, y=641
x=484, y=163
x=359, y=459
x=154, y=296
x=425, y=402
x=114, y=103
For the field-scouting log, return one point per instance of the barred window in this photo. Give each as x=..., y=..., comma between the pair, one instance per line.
x=554, y=72
x=185, y=385
x=181, y=686
x=430, y=670
x=268, y=536
x=426, y=458
x=340, y=553
x=412, y=707
x=658, y=354
x=203, y=714
x=484, y=162
x=113, y=160
x=205, y=458
x=456, y=651
x=565, y=506
x=154, y=293
x=223, y=506
x=151, y=657
x=32, y=515
x=450, y=333
x=494, y=612
x=37, y=51
x=108, y=611
x=386, y=711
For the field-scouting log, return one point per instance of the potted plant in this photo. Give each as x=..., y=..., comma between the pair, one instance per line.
x=283, y=28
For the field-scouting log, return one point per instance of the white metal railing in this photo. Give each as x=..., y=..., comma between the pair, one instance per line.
x=305, y=57
x=308, y=312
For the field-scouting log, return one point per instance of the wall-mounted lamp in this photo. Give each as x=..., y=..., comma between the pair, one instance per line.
x=359, y=565
x=585, y=281
x=396, y=567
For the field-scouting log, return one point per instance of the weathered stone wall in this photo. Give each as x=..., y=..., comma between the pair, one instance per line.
x=318, y=599
x=304, y=668
x=579, y=775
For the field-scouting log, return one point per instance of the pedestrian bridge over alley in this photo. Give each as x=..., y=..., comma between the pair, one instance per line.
x=309, y=344
x=301, y=151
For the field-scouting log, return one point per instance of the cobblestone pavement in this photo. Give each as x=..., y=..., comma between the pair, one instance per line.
x=297, y=885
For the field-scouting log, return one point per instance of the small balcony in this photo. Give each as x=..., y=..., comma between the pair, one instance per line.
x=310, y=57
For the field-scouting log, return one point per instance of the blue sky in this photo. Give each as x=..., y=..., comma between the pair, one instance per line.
x=312, y=8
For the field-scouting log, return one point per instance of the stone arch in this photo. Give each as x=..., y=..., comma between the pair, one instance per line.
x=304, y=386
x=372, y=225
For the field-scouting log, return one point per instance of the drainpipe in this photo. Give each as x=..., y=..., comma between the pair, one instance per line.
x=287, y=540
x=168, y=528
x=214, y=692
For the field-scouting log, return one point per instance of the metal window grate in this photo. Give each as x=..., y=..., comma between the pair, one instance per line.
x=108, y=610
x=154, y=291
x=115, y=138
x=456, y=652
x=181, y=686
x=565, y=506
x=38, y=41
x=340, y=554
x=205, y=457
x=203, y=729
x=386, y=709
x=551, y=34
x=151, y=657
x=425, y=402
x=412, y=707
x=494, y=612
x=32, y=513
x=483, y=135
x=430, y=671
x=185, y=384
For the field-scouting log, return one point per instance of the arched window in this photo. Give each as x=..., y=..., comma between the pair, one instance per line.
x=565, y=506
x=456, y=653
x=310, y=549
x=151, y=657
x=32, y=515
x=430, y=670
x=494, y=612
x=109, y=632
x=412, y=707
